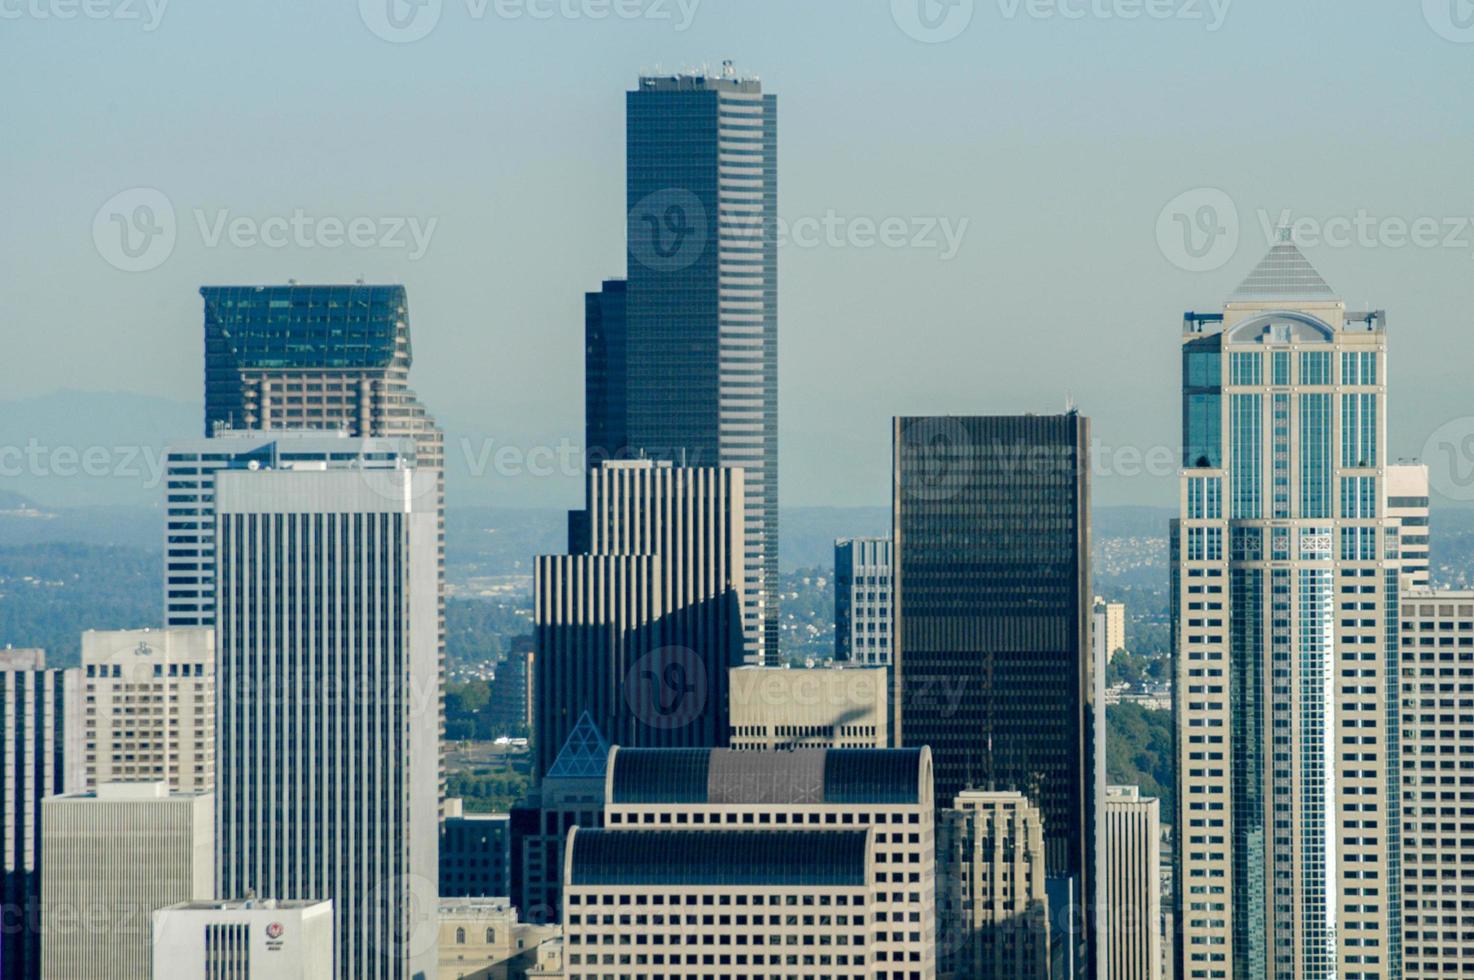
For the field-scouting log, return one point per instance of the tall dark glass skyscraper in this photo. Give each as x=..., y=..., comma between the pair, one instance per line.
x=698, y=382
x=993, y=663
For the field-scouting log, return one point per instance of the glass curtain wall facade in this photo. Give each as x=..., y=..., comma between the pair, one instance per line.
x=993, y=664
x=701, y=303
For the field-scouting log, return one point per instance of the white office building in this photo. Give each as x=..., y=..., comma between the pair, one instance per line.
x=1407, y=504
x=109, y=859
x=327, y=766
x=246, y=939
x=189, y=472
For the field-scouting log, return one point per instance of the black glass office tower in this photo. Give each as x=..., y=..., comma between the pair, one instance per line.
x=699, y=379
x=606, y=341
x=993, y=665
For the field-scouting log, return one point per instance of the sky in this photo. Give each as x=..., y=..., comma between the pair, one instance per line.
x=1061, y=180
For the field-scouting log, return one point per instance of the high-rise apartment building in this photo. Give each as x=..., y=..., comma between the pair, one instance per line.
x=1131, y=880
x=110, y=858
x=1437, y=706
x=781, y=708
x=327, y=627
x=862, y=601
x=802, y=791
x=724, y=903
x=682, y=359
x=1110, y=626
x=35, y=706
x=639, y=627
x=244, y=939
x=1284, y=599
x=148, y=710
x=992, y=903
x=1407, y=504
x=993, y=664
x=189, y=502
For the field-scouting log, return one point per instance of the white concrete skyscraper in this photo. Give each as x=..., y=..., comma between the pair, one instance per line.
x=1285, y=591
x=327, y=624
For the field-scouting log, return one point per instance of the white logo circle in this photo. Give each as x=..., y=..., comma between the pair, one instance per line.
x=1198, y=230
x=667, y=230
x=932, y=21
x=1449, y=453
x=400, y=21
x=1452, y=20
x=135, y=230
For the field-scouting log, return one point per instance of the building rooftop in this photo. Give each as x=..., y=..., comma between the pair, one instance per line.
x=1283, y=274
x=245, y=904
x=802, y=776
x=296, y=326
x=715, y=858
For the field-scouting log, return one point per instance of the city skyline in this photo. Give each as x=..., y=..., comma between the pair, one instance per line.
x=943, y=155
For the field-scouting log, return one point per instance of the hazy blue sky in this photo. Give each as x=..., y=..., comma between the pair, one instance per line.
x=1057, y=139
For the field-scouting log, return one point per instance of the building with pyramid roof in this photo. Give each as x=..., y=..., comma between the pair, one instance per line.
x=570, y=795
x=1285, y=635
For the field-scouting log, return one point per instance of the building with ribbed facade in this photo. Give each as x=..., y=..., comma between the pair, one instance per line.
x=715, y=903
x=111, y=857
x=682, y=358
x=244, y=939
x=1407, y=504
x=823, y=791
x=189, y=500
x=781, y=708
x=639, y=626
x=862, y=601
x=148, y=709
x=1131, y=876
x=993, y=665
x=1437, y=705
x=35, y=707
x=327, y=632
x=1284, y=598
x=992, y=905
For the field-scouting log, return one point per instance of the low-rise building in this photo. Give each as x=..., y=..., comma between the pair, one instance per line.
x=813, y=708
x=247, y=939
x=482, y=939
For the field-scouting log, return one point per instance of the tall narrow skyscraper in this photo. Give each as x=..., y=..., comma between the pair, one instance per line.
x=993, y=664
x=328, y=687
x=699, y=378
x=1284, y=600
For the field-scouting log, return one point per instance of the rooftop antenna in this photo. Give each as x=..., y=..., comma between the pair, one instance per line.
x=1070, y=406
x=728, y=69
